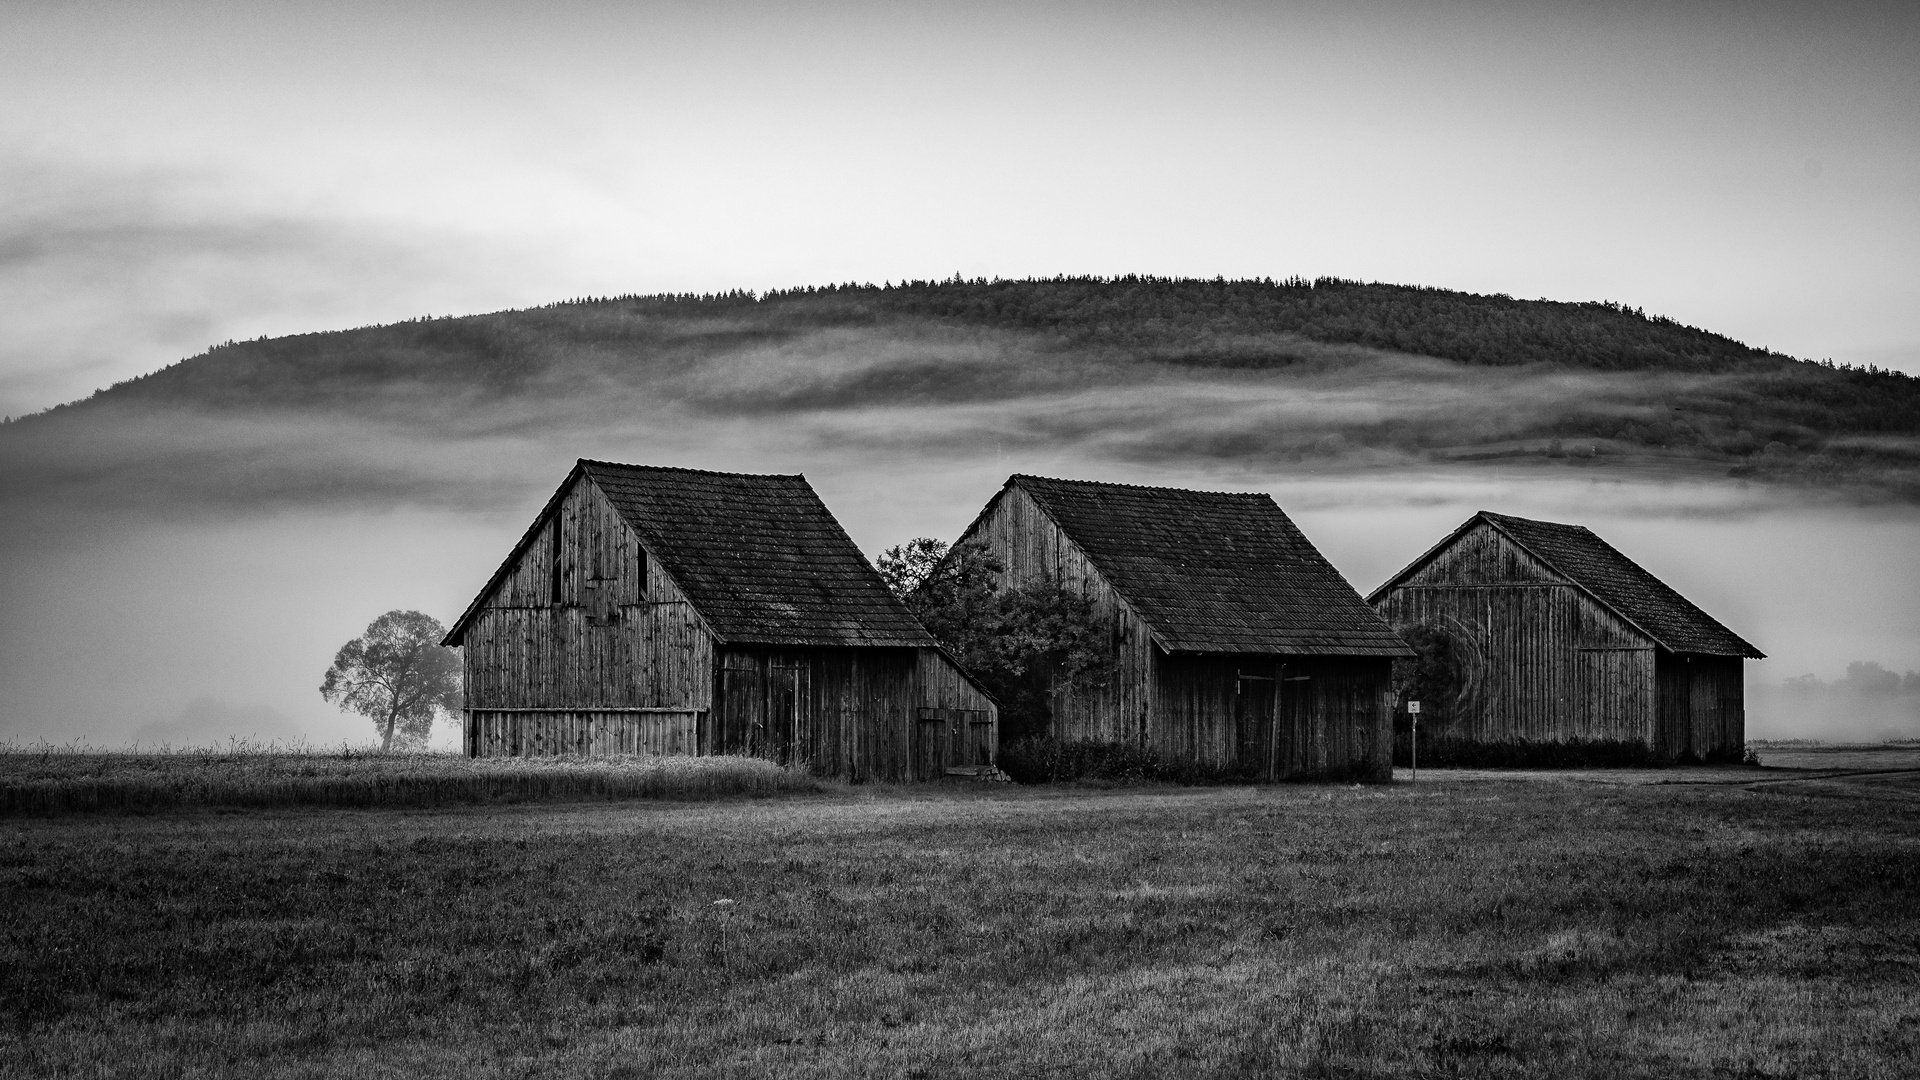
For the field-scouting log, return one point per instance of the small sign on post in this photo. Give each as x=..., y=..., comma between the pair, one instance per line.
x=1413, y=716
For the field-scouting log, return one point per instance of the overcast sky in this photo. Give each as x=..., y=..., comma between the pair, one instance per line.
x=174, y=174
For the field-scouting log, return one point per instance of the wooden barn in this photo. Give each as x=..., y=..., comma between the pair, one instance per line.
x=1554, y=636
x=656, y=610
x=1237, y=644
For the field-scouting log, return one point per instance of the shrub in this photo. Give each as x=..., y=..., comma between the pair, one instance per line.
x=1057, y=761
x=1447, y=750
x=1025, y=643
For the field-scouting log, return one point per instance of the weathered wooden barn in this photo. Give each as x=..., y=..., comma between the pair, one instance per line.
x=658, y=610
x=1555, y=636
x=1237, y=645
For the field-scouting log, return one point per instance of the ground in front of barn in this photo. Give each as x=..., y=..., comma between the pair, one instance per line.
x=1710, y=922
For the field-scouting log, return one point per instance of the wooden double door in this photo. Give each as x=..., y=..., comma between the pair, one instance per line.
x=762, y=711
x=952, y=741
x=1271, y=721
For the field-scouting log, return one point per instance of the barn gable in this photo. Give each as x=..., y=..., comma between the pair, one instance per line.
x=760, y=558
x=1549, y=551
x=1553, y=635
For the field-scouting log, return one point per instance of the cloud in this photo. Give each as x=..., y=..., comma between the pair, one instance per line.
x=107, y=274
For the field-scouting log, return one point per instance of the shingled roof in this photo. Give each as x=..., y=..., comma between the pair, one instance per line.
x=1214, y=571
x=760, y=557
x=1618, y=582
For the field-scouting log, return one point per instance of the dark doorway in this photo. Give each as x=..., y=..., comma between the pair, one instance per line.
x=1253, y=715
x=783, y=742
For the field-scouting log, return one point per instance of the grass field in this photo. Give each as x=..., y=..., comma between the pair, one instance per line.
x=1677, y=923
x=52, y=780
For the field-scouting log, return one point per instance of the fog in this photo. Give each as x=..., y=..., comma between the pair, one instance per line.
x=182, y=568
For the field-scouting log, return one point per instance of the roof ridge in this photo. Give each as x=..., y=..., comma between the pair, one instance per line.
x=1539, y=521
x=1139, y=487
x=684, y=469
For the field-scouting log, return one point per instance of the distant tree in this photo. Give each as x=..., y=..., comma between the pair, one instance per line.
x=1868, y=677
x=398, y=675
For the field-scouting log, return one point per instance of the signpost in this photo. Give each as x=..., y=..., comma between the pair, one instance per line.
x=1413, y=717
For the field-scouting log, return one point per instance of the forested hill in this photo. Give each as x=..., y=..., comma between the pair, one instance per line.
x=1254, y=373
x=1172, y=313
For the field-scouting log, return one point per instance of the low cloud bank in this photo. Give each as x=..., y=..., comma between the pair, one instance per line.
x=1868, y=704
x=218, y=530
x=467, y=415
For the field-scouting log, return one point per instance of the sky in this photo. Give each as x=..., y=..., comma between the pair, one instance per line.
x=178, y=174
x=175, y=174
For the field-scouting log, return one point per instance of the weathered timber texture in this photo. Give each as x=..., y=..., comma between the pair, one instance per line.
x=1207, y=594
x=1291, y=716
x=1555, y=647
x=607, y=638
x=1702, y=705
x=547, y=733
x=589, y=641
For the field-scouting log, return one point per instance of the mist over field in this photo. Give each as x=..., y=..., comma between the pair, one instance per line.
x=184, y=552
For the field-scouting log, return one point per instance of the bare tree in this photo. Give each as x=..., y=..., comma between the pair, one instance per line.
x=398, y=675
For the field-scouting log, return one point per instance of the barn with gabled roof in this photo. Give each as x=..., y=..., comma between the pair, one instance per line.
x=1552, y=635
x=1237, y=645
x=661, y=610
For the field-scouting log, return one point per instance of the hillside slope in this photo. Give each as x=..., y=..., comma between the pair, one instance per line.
x=1325, y=374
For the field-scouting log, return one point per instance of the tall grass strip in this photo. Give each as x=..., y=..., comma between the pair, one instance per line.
x=59, y=782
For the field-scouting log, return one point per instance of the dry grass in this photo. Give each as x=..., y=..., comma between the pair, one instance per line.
x=49, y=780
x=1488, y=928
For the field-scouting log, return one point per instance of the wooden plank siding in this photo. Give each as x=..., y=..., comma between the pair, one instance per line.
x=846, y=712
x=1282, y=717
x=957, y=725
x=1539, y=659
x=549, y=732
x=1032, y=547
x=604, y=641
x=1702, y=705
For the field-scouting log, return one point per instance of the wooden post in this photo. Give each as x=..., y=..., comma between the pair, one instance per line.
x=1413, y=717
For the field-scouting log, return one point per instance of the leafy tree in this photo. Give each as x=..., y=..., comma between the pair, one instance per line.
x=1433, y=677
x=1025, y=644
x=398, y=675
x=905, y=566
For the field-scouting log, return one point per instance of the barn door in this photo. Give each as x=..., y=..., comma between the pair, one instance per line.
x=783, y=743
x=952, y=740
x=1294, y=751
x=933, y=742
x=743, y=717
x=977, y=728
x=1253, y=717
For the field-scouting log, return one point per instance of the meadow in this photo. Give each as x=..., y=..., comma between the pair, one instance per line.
x=47, y=779
x=1699, y=922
